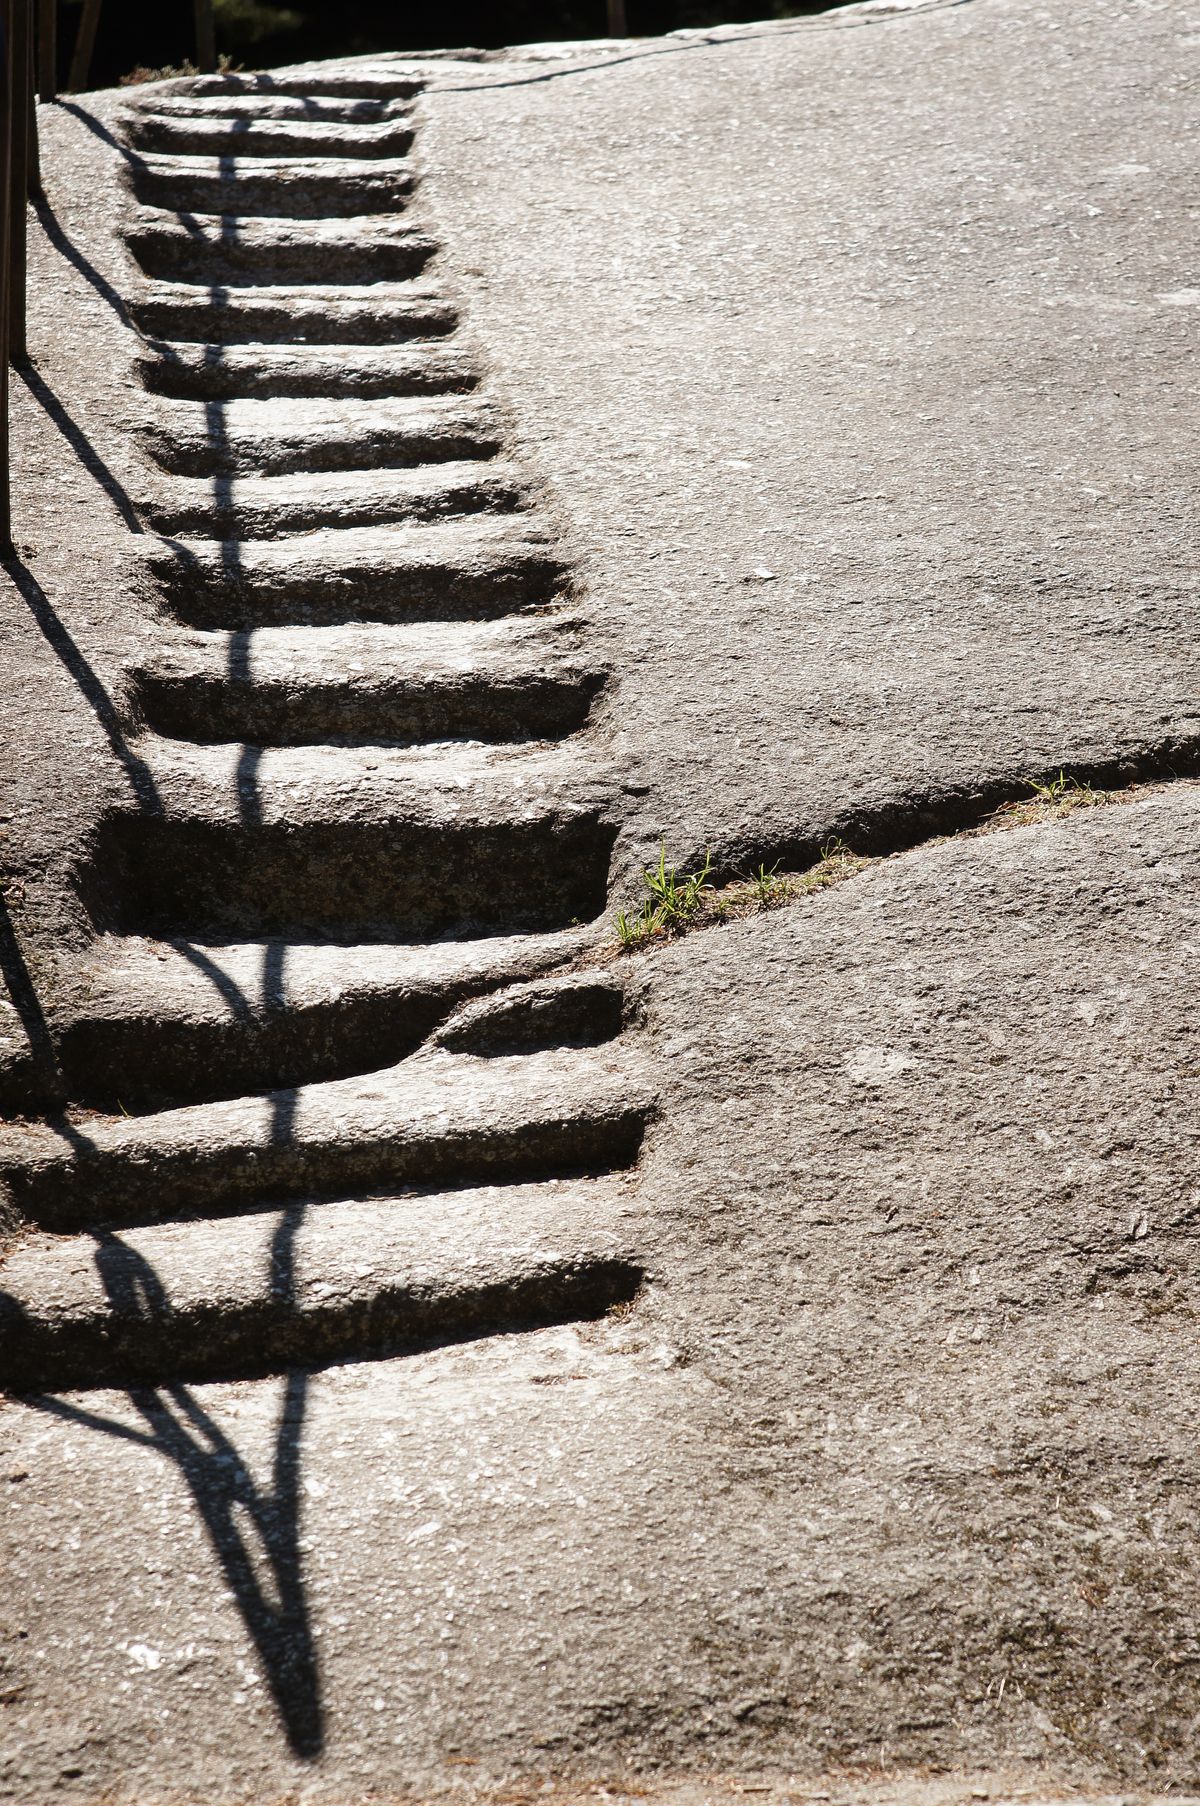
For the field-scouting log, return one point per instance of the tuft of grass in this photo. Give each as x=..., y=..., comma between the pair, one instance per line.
x=672, y=902
x=1060, y=796
x=767, y=889
x=172, y=71
x=675, y=901
x=836, y=863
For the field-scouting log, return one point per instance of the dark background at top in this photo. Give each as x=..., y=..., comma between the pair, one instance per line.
x=259, y=33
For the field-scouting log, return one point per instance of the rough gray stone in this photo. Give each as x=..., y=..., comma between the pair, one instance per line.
x=889, y=1470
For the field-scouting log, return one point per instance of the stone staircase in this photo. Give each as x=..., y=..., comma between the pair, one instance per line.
x=332, y=1086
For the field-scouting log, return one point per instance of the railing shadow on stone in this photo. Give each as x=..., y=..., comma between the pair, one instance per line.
x=253, y=1528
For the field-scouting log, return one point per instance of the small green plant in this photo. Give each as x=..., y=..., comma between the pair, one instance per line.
x=672, y=901
x=767, y=889
x=1060, y=795
x=836, y=862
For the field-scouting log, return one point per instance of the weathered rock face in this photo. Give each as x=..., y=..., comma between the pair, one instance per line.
x=782, y=493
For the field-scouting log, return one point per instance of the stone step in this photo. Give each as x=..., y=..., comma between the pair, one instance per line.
x=287, y=188
x=352, y=842
x=269, y=103
x=351, y=81
x=381, y=313
x=311, y=1283
x=266, y=438
x=480, y=567
x=151, y=1024
x=293, y=686
x=438, y=1119
x=212, y=134
x=192, y=372
x=270, y=507
x=227, y=250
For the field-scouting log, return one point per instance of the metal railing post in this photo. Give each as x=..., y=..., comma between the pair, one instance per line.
x=6, y=114
x=47, y=50
x=21, y=80
x=85, y=41
x=206, y=37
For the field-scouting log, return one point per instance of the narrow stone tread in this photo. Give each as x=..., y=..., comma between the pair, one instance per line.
x=355, y=842
x=306, y=109
x=214, y=134
x=494, y=681
x=252, y=1295
x=382, y=313
x=263, y=438
x=228, y=249
x=254, y=508
x=155, y=1023
x=351, y=81
x=436, y=1119
x=215, y=373
x=309, y=188
x=477, y=567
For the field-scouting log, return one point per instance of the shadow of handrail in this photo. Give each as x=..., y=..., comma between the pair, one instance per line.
x=80, y=444
x=92, y=689
x=243, y=1518
x=68, y=249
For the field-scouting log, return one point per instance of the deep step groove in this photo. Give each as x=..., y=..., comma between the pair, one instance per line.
x=369, y=878
x=220, y=135
x=472, y=570
x=211, y=373
x=264, y=438
x=302, y=686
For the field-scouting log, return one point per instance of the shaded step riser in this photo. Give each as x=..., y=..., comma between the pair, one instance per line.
x=542, y=706
x=361, y=878
x=226, y=598
x=221, y=109
x=107, y=1189
x=268, y=1335
x=359, y=85
x=211, y=376
x=216, y=137
x=249, y=193
x=209, y=318
x=389, y=448
x=230, y=260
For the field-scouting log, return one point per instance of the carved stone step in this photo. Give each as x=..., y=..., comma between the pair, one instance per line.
x=219, y=249
x=435, y=1120
x=378, y=313
x=476, y=568
x=227, y=373
x=262, y=438
x=307, y=188
x=310, y=1283
x=495, y=681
